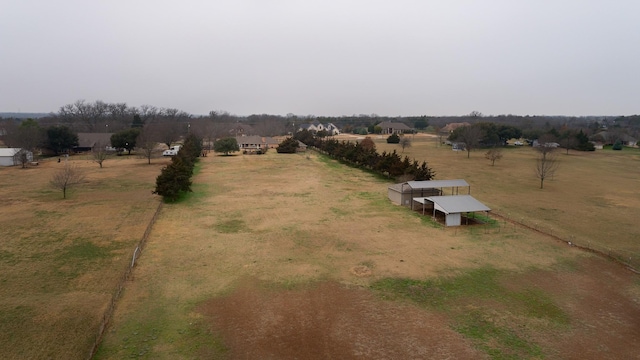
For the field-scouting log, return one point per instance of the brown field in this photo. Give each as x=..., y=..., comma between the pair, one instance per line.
x=285, y=256
x=60, y=260
x=592, y=200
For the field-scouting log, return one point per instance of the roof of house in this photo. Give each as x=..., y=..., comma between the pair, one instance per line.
x=239, y=128
x=255, y=139
x=9, y=151
x=452, y=126
x=453, y=204
x=393, y=125
x=89, y=140
x=606, y=135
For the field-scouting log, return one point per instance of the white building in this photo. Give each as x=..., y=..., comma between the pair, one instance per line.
x=10, y=156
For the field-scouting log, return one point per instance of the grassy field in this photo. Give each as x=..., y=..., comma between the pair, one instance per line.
x=592, y=200
x=60, y=260
x=283, y=256
x=240, y=270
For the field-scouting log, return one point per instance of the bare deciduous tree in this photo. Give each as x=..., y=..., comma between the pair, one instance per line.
x=568, y=141
x=493, y=155
x=405, y=142
x=99, y=153
x=546, y=163
x=168, y=132
x=470, y=136
x=147, y=142
x=66, y=178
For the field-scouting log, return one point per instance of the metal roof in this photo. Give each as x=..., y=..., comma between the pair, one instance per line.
x=434, y=184
x=454, y=203
x=8, y=151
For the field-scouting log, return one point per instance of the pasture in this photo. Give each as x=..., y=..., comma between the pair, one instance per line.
x=283, y=256
x=60, y=260
x=592, y=200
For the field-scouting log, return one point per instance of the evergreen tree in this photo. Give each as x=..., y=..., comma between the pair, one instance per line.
x=288, y=146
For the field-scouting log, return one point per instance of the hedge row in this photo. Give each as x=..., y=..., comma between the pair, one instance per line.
x=175, y=178
x=363, y=154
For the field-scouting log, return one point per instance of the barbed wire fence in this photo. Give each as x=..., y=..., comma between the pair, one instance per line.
x=115, y=295
x=628, y=259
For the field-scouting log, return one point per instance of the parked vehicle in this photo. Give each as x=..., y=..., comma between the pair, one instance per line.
x=173, y=151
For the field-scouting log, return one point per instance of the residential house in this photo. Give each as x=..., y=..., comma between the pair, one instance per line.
x=239, y=129
x=609, y=138
x=255, y=144
x=88, y=141
x=389, y=127
x=316, y=126
x=449, y=128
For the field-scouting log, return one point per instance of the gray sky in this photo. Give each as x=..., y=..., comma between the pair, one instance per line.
x=328, y=57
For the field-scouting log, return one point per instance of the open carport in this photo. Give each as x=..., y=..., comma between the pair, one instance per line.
x=403, y=193
x=452, y=206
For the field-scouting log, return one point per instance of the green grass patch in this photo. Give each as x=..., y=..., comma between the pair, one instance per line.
x=231, y=226
x=329, y=162
x=440, y=292
x=7, y=257
x=339, y=212
x=83, y=250
x=498, y=342
x=484, y=219
x=476, y=288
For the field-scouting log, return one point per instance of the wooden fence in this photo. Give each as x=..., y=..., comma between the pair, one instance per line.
x=108, y=313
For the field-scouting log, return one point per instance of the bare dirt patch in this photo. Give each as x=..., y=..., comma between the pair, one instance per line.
x=330, y=321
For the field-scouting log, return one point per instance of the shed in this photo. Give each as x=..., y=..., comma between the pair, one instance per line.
x=402, y=193
x=453, y=206
x=8, y=156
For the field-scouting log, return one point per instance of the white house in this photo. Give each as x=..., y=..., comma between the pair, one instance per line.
x=9, y=156
x=317, y=126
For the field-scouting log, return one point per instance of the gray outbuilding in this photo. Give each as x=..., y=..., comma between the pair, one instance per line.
x=403, y=193
x=452, y=206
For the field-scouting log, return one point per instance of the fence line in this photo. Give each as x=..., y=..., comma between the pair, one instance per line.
x=108, y=313
x=631, y=261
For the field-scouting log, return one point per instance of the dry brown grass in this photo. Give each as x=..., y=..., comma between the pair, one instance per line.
x=290, y=220
x=60, y=259
x=593, y=199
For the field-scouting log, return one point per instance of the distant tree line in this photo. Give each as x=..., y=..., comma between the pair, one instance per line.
x=363, y=154
x=168, y=125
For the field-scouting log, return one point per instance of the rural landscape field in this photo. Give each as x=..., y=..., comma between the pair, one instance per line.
x=283, y=256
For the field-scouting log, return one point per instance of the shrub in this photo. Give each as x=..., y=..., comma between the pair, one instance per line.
x=393, y=139
x=617, y=145
x=288, y=146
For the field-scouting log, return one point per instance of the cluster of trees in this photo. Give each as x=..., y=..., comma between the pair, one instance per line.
x=484, y=134
x=100, y=116
x=226, y=145
x=363, y=154
x=175, y=178
x=288, y=146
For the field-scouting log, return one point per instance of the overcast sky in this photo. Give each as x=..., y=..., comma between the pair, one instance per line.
x=328, y=57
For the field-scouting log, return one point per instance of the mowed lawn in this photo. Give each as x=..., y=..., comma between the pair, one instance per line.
x=60, y=260
x=593, y=199
x=224, y=273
